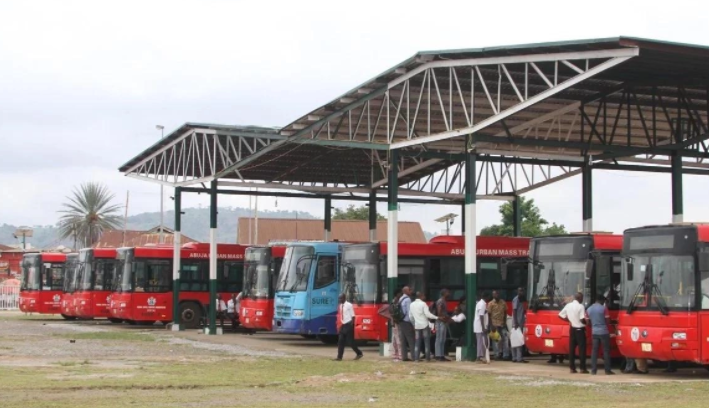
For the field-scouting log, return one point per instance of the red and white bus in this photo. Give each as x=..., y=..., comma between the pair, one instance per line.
x=261, y=267
x=429, y=268
x=561, y=266
x=143, y=285
x=665, y=293
x=42, y=282
x=92, y=295
x=71, y=277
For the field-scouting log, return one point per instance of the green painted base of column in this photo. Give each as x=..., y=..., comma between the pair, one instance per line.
x=213, y=307
x=471, y=292
x=176, y=303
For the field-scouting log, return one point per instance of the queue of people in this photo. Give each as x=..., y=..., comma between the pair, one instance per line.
x=414, y=324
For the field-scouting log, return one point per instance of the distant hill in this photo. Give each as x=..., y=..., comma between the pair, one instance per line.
x=195, y=224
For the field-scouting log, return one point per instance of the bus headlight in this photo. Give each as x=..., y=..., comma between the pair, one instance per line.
x=259, y=313
x=83, y=302
x=298, y=313
x=366, y=321
x=679, y=336
x=123, y=305
x=244, y=312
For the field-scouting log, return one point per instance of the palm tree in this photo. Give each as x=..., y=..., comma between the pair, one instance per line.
x=88, y=213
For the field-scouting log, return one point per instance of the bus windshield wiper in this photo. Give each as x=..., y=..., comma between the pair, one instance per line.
x=648, y=288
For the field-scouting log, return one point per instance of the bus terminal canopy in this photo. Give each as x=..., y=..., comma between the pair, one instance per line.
x=531, y=114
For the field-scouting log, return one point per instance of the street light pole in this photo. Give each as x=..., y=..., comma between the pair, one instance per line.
x=162, y=208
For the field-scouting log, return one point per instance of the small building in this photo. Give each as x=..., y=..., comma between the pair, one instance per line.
x=10, y=261
x=286, y=229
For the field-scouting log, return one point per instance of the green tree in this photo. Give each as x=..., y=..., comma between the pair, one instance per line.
x=354, y=213
x=533, y=225
x=88, y=213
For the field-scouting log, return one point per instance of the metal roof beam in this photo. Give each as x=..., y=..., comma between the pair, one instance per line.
x=627, y=54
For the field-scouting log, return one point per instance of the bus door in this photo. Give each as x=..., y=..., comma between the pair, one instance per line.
x=703, y=305
x=411, y=274
x=323, y=298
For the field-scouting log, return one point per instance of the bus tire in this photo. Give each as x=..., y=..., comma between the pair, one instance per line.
x=67, y=317
x=190, y=315
x=328, y=338
x=114, y=320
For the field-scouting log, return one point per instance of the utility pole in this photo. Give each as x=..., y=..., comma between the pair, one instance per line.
x=161, y=128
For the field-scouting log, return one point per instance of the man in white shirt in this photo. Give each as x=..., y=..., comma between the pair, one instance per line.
x=346, y=335
x=419, y=315
x=232, y=311
x=221, y=309
x=481, y=326
x=575, y=314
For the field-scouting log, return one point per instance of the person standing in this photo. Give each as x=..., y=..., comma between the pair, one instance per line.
x=481, y=326
x=232, y=308
x=419, y=315
x=497, y=308
x=442, y=325
x=599, y=318
x=575, y=314
x=346, y=335
x=518, y=321
x=406, y=329
x=386, y=312
x=221, y=310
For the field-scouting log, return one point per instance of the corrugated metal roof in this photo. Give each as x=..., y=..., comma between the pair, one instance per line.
x=278, y=229
x=114, y=238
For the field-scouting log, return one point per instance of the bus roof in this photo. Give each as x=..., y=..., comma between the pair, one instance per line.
x=321, y=246
x=604, y=241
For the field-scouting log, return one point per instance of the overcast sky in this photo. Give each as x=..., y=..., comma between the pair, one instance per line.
x=83, y=84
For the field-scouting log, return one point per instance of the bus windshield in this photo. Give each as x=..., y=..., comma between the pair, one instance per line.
x=124, y=271
x=31, y=273
x=72, y=274
x=553, y=283
x=257, y=276
x=105, y=273
x=86, y=268
x=359, y=274
x=295, y=270
x=659, y=282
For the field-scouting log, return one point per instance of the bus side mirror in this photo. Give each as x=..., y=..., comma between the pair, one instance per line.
x=629, y=268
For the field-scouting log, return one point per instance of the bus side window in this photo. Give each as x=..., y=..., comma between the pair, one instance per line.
x=325, y=274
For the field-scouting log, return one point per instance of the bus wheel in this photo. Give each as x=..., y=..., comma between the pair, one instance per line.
x=328, y=338
x=190, y=315
x=67, y=317
x=114, y=320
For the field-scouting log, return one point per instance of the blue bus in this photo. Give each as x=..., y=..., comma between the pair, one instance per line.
x=307, y=289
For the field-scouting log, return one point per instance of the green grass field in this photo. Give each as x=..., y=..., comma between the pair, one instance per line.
x=271, y=382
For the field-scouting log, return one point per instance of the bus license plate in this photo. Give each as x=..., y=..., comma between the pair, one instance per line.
x=646, y=347
x=548, y=343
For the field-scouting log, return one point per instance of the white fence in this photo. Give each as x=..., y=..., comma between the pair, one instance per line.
x=9, y=297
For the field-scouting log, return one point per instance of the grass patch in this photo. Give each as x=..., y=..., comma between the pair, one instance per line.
x=313, y=381
x=108, y=335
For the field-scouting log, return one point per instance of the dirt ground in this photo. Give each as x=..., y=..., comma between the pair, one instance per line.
x=49, y=362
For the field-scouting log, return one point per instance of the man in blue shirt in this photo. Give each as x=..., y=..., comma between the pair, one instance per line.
x=406, y=329
x=599, y=317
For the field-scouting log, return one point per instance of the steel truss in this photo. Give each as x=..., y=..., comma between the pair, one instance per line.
x=440, y=100
x=198, y=155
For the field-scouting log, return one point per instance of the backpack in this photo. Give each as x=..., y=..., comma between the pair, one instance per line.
x=396, y=313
